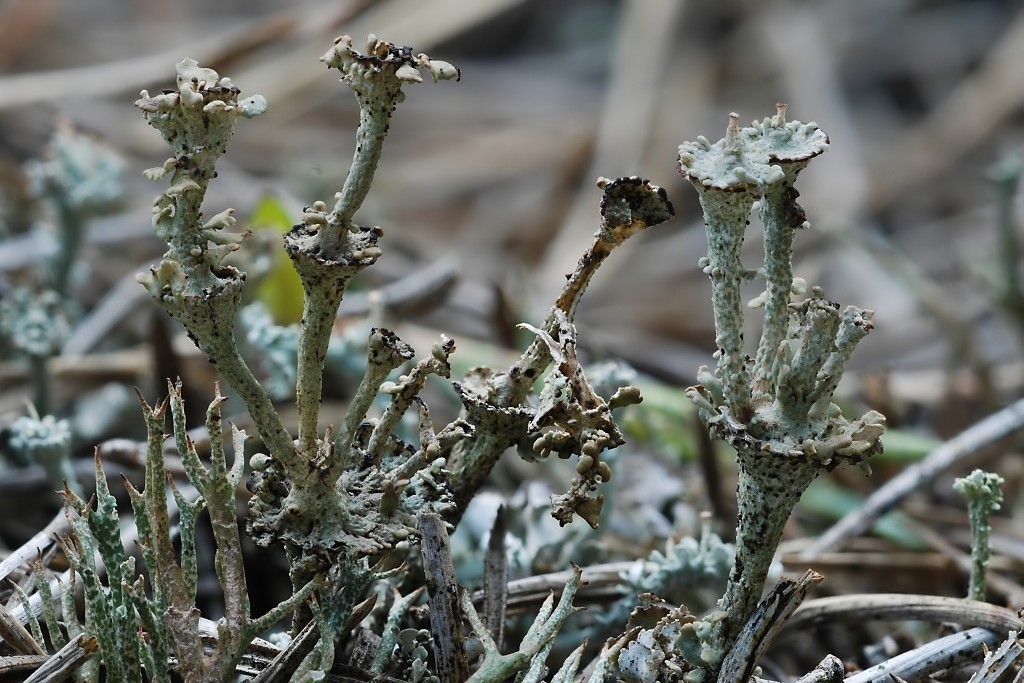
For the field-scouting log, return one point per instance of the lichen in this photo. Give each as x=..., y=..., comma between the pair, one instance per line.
x=776, y=410
x=45, y=441
x=984, y=493
x=495, y=401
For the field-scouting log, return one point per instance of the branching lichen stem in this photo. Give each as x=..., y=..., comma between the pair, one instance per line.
x=628, y=205
x=775, y=409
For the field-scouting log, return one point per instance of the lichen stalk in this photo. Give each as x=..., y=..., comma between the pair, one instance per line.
x=984, y=493
x=726, y=221
x=373, y=126
x=782, y=216
x=497, y=666
x=776, y=410
x=323, y=293
x=778, y=216
x=385, y=353
x=768, y=492
x=324, y=276
x=79, y=179
x=191, y=282
x=328, y=248
x=168, y=584
x=209, y=322
x=494, y=402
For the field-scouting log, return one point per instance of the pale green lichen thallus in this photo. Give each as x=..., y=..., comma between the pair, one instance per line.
x=775, y=409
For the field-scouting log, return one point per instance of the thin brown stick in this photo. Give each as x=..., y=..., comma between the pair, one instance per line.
x=19, y=665
x=900, y=607
x=1006, y=588
x=17, y=636
x=496, y=580
x=66, y=661
x=445, y=611
x=985, y=432
x=950, y=652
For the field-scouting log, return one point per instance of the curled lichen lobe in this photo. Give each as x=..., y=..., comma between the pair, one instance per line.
x=383, y=57
x=731, y=164
x=748, y=159
x=197, y=120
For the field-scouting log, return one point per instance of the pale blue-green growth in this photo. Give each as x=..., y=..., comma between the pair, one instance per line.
x=191, y=282
x=196, y=121
x=77, y=179
x=651, y=649
x=688, y=572
x=46, y=441
x=110, y=610
x=984, y=493
x=331, y=503
x=776, y=409
x=576, y=420
x=536, y=644
x=376, y=76
x=327, y=248
x=156, y=627
x=36, y=325
x=363, y=490
x=77, y=171
x=271, y=349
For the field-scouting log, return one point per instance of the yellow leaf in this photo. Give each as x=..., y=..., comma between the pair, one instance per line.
x=280, y=290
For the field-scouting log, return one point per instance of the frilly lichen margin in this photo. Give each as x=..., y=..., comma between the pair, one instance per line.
x=776, y=409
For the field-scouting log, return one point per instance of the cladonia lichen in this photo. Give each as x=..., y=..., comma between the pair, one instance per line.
x=345, y=500
x=775, y=409
x=984, y=493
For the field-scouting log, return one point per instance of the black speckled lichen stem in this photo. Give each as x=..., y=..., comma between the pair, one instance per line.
x=628, y=206
x=767, y=493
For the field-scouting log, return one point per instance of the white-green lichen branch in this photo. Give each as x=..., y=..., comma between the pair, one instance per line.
x=776, y=410
x=535, y=644
x=376, y=77
x=170, y=615
x=78, y=179
x=196, y=121
x=191, y=282
x=45, y=441
x=984, y=493
x=494, y=401
x=327, y=247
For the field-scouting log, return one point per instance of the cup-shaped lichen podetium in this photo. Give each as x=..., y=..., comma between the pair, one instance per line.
x=196, y=120
x=192, y=283
x=777, y=410
x=729, y=176
x=328, y=248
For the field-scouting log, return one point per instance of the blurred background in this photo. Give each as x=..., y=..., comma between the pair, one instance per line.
x=486, y=187
x=486, y=194
x=494, y=175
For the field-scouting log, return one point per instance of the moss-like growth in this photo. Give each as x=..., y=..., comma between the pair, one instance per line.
x=776, y=409
x=984, y=493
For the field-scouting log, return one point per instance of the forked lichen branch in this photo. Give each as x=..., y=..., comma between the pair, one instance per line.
x=775, y=409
